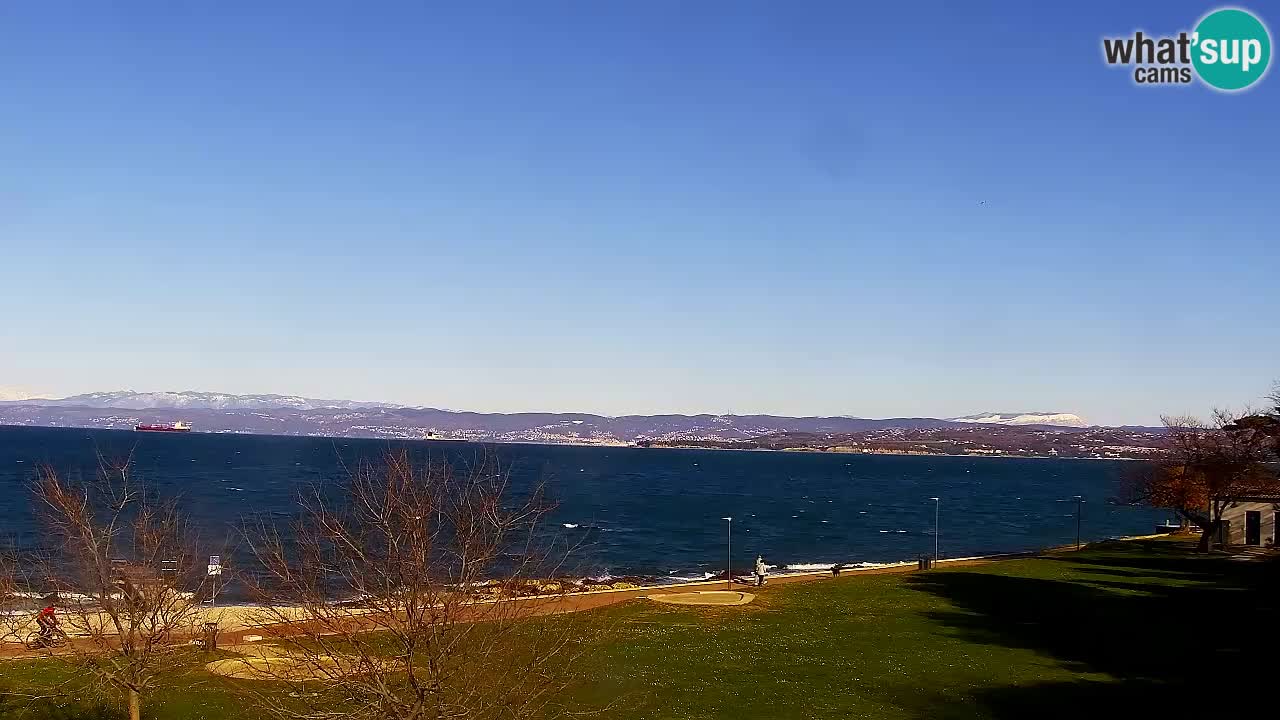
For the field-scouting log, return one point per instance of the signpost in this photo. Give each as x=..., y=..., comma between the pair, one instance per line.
x=215, y=572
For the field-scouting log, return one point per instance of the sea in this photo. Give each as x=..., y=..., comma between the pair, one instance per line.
x=648, y=513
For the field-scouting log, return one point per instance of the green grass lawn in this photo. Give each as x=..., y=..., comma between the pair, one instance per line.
x=190, y=693
x=1124, y=628
x=1143, y=627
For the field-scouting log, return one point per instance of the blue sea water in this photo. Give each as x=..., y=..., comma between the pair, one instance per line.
x=647, y=512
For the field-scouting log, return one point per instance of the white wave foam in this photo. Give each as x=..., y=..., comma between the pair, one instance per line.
x=803, y=567
x=690, y=578
x=849, y=566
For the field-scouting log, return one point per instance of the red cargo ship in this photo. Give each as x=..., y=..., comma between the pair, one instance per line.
x=176, y=427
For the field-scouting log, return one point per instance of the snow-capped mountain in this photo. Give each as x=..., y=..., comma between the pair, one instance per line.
x=193, y=400
x=1027, y=418
x=12, y=394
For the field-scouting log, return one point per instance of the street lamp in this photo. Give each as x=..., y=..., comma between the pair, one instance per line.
x=728, y=557
x=937, y=504
x=1078, y=501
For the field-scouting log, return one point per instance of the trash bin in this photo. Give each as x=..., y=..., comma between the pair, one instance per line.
x=926, y=562
x=210, y=636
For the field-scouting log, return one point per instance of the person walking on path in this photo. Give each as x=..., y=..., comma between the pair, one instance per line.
x=760, y=570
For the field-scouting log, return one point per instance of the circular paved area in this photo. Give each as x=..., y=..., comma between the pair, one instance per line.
x=266, y=662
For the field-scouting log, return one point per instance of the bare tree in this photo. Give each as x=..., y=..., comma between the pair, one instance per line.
x=12, y=601
x=1266, y=424
x=121, y=563
x=405, y=595
x=1209, y=465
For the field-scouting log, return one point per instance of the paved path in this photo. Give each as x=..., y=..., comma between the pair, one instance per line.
x=578, y=602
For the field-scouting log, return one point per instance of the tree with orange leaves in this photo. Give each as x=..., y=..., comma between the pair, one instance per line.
x=1209, y=466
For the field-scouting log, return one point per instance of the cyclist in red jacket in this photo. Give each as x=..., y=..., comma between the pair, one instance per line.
x=47, y=619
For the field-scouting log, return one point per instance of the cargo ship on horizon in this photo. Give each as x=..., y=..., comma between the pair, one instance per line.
x=179, y=427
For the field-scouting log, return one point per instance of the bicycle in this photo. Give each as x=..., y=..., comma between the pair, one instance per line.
x=38, y=640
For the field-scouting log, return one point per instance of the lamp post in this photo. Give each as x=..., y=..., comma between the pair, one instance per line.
x=728, y=557
x=1078, y=501
x=937, y=504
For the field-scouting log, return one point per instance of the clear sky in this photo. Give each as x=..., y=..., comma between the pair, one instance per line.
x=634, y=207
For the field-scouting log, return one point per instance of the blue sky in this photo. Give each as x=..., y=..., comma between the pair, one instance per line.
x=634, y=207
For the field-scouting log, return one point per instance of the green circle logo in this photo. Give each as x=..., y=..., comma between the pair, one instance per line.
x=1232, y=49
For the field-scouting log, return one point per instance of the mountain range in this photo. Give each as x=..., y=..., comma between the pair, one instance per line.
x=293, y=415
x=190, y=400
x=1052, y=434
x=197, y=400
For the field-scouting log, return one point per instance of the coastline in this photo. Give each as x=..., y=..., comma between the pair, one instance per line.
x=619, y=444
x=245, y=623
x=593, y=599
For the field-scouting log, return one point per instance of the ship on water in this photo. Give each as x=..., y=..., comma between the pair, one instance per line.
x=175, y=427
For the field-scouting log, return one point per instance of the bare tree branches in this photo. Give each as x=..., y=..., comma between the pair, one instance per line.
x=14, y=601
x=379, y=598
x=1266, y=424
x=121, y=562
